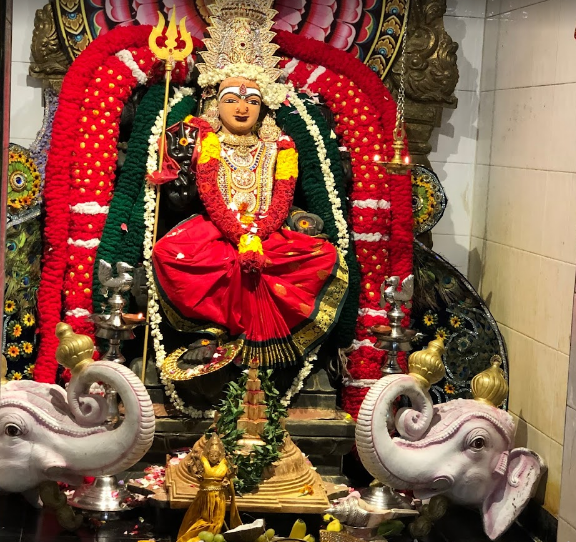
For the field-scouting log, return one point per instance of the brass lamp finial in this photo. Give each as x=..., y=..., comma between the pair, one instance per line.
x=490, y=386
x=426, y=366
x=74, y=351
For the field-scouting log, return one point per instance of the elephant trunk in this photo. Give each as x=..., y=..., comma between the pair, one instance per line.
x=400, y=468
x=118, y=449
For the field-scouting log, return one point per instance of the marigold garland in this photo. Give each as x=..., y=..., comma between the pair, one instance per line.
x=80, y=173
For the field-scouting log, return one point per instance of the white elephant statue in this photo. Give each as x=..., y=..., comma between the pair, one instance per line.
x=463, y=448
x=48, y=433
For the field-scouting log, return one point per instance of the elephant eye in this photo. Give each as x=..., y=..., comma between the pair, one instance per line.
x=12, y=430
x=478, y=443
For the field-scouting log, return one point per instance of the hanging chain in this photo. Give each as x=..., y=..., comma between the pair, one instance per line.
x=399, y=132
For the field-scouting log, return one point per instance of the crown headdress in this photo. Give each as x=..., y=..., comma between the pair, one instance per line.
x=240, y=45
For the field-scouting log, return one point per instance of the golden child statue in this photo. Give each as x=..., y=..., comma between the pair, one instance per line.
x=207, y=511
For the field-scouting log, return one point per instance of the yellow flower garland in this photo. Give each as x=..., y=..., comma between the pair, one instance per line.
x=210, y=148
x=287, y=164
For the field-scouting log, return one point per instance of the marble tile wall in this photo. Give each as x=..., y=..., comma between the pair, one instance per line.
x=523, y=237
x=26, y=108
x=454, y=144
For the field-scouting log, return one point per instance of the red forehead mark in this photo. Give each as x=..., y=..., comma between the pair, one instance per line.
x=243, y=89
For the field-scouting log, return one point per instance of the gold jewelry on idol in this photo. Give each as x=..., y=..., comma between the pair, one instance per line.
x=269, y=130
x=211, y=115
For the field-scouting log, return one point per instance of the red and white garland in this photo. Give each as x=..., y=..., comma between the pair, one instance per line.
x=381, y=213
x=80, y=176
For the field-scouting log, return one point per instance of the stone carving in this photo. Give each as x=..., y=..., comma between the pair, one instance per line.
x=431, y=75
x=49, y=61
x=462, y=449
x=62, y=435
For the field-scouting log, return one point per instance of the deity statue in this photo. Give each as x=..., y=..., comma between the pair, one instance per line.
x=207, y=511
x=238, y=271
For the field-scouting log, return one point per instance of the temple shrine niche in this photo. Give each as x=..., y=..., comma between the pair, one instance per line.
x=239, y=206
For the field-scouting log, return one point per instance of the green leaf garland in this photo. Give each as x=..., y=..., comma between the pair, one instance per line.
x=123, y=234
x=250, y=468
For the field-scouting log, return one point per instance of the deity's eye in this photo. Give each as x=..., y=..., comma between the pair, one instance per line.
x=12, y=430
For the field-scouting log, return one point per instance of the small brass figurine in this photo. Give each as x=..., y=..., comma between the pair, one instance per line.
x=207, y=511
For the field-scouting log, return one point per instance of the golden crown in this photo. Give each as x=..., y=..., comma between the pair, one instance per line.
x=240, y=36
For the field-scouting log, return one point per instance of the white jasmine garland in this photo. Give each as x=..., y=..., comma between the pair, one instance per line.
x=298, y=382
x=314, y=131
x=154, y=317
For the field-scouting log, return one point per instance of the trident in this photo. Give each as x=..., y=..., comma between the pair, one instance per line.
x=170, y=54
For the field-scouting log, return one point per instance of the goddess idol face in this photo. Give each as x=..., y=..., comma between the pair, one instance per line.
x=239, y=103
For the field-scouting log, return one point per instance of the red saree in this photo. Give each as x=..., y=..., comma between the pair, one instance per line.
x=280, y=315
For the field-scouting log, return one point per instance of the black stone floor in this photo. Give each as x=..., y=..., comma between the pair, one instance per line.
x=20, y=522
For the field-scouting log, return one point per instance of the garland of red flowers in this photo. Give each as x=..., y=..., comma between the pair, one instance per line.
x=381, y=213
x=80, y=176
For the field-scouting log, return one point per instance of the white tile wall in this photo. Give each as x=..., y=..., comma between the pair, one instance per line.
x=466, y=8
x=468, y=33
x=495, y=7
x=455, y=249
x=526, y=52
x=454, y=144
x=26, y=108
x=457, y=182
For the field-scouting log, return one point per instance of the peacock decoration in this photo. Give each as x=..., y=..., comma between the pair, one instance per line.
x=445, y=304
x=22, y=265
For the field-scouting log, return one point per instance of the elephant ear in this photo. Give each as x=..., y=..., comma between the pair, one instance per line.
x=512, y=492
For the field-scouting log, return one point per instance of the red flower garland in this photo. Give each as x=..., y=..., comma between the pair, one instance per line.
x=381, y=213
x=80, y=172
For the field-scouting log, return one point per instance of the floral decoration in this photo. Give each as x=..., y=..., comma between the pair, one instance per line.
x=381, y=213
x=80, y=175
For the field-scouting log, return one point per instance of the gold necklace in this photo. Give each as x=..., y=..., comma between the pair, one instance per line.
x=241, y=145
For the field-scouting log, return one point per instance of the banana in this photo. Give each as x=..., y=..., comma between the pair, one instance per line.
x=309, y=538
x=298, y=529
x=334, y=526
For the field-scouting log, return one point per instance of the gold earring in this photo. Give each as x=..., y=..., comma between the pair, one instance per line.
x=212, y=116
x=269, y=131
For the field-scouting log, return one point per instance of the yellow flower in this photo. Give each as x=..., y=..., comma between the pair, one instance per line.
x=27, y=347
x=449, y=388
x=441, y=333
x=9, y=306
x=13, y=351
x=28, y=320
x=287, y=164
x=16, y=331
x=210, y=148
x=455, y=321
x=250, y=243
x=16, y=376
x=428, y=319
x=30, y=370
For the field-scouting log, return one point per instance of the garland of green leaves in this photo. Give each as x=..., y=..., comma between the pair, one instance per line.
x=314, y=189
x=250, y=468
x=123, y=234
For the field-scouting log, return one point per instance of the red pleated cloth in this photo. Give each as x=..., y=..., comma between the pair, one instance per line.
x=280, y=314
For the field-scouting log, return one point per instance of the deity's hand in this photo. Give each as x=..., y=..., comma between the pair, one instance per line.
x=250, y=254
